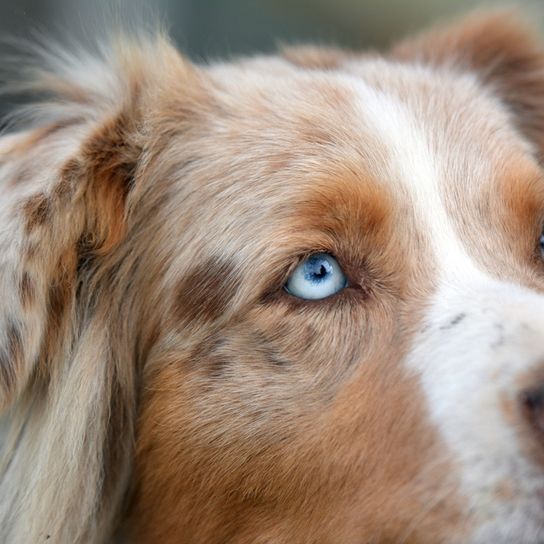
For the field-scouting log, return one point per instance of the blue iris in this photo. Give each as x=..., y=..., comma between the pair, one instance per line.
x=318, y=276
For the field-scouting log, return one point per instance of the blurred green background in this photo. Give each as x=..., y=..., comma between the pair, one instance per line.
x=213, y=28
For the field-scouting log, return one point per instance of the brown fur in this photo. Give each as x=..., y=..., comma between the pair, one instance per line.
x=26, y=289
x=156, y=371
x=37, y=211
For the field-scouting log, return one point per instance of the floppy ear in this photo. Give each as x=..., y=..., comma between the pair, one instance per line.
x=65, y=180
x=67, y=354
x=64, y=187
x=503, y=51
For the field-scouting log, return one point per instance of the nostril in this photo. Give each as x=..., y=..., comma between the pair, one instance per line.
x=532, y=401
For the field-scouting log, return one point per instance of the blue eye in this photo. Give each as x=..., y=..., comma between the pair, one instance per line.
x=318, y=276
x=542, y=245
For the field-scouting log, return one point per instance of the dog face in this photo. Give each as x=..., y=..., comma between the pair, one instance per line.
x=284, y=299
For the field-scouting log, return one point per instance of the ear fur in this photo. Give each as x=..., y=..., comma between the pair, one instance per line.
x=502, y=50
x=67, y=373
x=66, y=184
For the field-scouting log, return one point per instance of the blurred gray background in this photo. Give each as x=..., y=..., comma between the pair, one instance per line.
x=211, y=28
x=208, y=29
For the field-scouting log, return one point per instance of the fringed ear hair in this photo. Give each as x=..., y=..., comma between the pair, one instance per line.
x=66, y=394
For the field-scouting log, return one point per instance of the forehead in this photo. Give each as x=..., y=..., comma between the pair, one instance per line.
x=365, y=107
x=434, y=147
x=380, y=112
x=430, y=160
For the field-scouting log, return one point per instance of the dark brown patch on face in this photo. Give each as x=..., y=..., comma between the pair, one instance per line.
x=37, y=210
x=215, y=354
x=216, y=366
x=206, y=292
x=11, y=358
x=26, y=290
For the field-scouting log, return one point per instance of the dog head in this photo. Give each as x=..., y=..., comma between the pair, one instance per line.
x=295, y=298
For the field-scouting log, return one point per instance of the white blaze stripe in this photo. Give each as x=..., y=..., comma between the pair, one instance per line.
x=416, y=170
x=481, y=336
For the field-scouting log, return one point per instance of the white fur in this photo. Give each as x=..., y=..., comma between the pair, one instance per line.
x=479, y=336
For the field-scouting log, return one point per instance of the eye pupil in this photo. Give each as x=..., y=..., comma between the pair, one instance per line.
x=317, y=269
x=317, y=277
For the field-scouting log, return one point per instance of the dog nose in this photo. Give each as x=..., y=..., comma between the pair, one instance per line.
x=532, y=401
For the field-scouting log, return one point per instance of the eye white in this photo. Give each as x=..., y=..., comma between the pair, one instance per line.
x=318, y=276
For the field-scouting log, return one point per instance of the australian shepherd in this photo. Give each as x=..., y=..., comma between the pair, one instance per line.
x=285, y=299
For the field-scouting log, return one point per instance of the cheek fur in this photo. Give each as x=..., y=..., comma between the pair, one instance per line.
x=288, y=416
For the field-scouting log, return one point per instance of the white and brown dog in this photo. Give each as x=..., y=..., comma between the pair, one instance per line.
x=286, y=299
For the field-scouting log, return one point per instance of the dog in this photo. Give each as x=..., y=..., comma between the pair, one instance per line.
x=295, y=298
